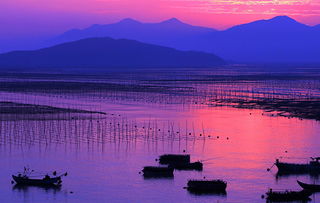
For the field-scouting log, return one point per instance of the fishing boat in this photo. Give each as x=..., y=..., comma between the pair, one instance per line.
x=285, y=196
x=157, y=171
x=187, y=166
x=27, y=178
x=292, y=168
x=310, y=187
x=174, y=159
x=207, y=186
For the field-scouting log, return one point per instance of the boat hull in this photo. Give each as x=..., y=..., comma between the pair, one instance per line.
x=310, y=187
x=215, y=186
x=174, y=159
x=198, y=166
x=37, y=182
x=288, y=196
x=290, y=168
x=157, y=172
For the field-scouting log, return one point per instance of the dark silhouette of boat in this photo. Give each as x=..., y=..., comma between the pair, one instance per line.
x=187, y=166
x=25, y=179
x=157, y=171
x=207, y=186
x=46, y=181
x=174, y=159
x=313, y=167
x=286, y=196
x=310, y=187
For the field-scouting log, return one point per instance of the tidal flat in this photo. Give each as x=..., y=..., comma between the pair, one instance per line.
x=104, y=128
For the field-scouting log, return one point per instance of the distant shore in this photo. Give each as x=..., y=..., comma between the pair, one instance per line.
x=13, y=110
x=303, y=109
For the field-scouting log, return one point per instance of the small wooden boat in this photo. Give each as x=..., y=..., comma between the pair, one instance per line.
x=310, y=187
x=207, y=186
x=188, y=166
x=174, y=158
x=157, y=171
x=285, y=196
x=313, y=167
x=46, y=181
x=26, y=179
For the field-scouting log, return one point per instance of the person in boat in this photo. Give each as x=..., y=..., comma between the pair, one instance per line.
x=46, y=177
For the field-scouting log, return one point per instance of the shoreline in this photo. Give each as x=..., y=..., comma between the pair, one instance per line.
x=302, y=109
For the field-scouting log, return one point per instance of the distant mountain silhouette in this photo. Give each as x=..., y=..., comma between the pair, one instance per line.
x=172, y=32
x=277, y=40
x=280, y=39
x=106, y=54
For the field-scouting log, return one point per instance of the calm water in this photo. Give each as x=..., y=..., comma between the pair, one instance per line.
x=103, y=154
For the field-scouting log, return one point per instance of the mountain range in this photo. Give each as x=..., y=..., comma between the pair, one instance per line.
x=172, y=33
x=277, y=40
x=106, y=54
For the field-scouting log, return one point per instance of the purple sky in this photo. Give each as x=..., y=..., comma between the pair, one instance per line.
x=34, y=18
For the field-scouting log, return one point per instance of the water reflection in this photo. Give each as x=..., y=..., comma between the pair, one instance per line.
x=199, y=193
x=105, y=153
x=26, y=188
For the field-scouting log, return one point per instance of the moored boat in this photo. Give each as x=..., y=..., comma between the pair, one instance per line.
x=26, y=178
x=207, y=186
x=23, y=180
x=292, y=168
x=157, y=171
x=174, y=159
x=285, y=196
x=310, y=187
x=188, y=166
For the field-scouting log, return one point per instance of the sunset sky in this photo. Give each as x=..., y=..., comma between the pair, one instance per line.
x=45, y=17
